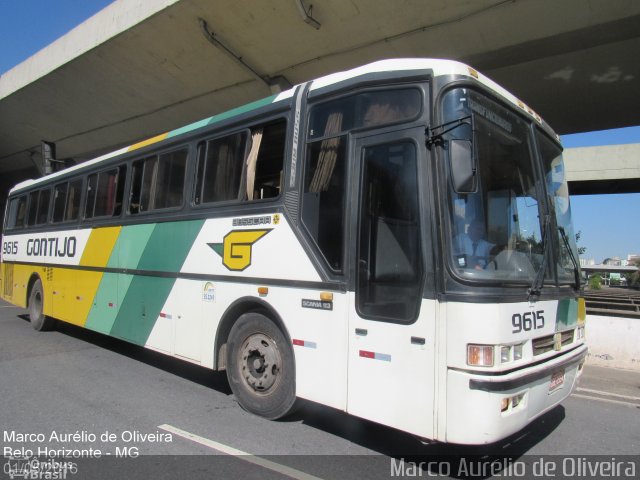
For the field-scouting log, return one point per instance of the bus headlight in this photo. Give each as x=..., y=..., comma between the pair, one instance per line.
x=480, y=355
x=505, y=354
x=517, y=352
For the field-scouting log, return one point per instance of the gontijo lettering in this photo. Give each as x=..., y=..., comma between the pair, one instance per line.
x=52, y=247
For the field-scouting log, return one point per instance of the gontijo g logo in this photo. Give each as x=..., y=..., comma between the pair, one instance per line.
x=236, y=248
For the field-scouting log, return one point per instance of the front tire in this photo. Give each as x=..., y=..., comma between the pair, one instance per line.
x=39, y=321
x=260, y=367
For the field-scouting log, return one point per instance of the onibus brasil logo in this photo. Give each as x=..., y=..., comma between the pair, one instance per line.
x=236, y=248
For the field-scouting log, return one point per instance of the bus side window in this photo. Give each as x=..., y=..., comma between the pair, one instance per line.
x=17, y=212
x=137, y=170
x=43, y=206
x=106, y=193
x=148, y=183
x=92, y=184
x=324, y=191
x=72, y=208
x=122, y=176
x=33, y=208
x=200, y=159
x=104, y=196
x=265, y=160
x=220, y=169
x=158, y=182
x=170, y=179
x=59, y=201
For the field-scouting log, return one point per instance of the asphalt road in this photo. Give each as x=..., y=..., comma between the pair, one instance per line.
x=58, y=389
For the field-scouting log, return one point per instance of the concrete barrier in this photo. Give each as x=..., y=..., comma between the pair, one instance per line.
x=613, y=342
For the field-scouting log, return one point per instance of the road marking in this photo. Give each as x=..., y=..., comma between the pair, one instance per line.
x=606, y=394
x=247, y=457
x=607, y=400
x=8, y=306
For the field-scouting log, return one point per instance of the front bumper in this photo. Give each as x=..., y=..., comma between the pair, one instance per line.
x=474, y=401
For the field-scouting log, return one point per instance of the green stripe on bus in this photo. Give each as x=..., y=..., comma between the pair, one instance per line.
x=141, y=308
x=567, y=313
x=106, y=304
x=130, y=246
x=165, y=251
x=169, y=245
x=222, y=116
x=113, y=287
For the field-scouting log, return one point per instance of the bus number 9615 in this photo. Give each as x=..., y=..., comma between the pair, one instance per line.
x=9, y=248
x=527, y=321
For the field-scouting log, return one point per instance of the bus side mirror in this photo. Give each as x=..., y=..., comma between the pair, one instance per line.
x=462, y=166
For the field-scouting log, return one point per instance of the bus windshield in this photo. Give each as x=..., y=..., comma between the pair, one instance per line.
x=496, y=233
x=558, y=191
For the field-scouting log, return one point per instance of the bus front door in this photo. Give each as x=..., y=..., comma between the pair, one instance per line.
x=391, y=327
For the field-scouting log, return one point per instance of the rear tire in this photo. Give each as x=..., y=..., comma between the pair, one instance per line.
x=260, y=367
x=39, y=321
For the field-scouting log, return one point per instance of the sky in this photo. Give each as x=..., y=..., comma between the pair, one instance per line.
x=609, y=224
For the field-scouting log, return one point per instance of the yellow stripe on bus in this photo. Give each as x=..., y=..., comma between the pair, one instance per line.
x=99, y=246
x=76, y=289
x=71, y=294
x=148, y=141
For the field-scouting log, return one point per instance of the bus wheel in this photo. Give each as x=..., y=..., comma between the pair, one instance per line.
x=260, y=367
x=39, y=320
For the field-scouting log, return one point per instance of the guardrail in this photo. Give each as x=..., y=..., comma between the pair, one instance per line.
x=613, y=302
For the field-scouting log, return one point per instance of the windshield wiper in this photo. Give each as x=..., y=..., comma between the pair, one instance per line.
x=435, y=136
x=538, y=282
x=576, y=269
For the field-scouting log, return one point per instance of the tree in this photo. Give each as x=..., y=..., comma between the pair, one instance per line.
x=595, y=282
x=581, y=250
x=633, y=279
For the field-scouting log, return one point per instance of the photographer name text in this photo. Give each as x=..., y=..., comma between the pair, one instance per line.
x=79, y=444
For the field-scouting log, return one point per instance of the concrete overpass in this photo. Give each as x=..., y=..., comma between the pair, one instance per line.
x=140, y=67
x=609, y=268
x=607, y=169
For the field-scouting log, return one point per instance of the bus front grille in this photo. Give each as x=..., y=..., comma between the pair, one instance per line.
x=546, y=344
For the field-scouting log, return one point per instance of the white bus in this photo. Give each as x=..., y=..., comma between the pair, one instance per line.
x=393, y=241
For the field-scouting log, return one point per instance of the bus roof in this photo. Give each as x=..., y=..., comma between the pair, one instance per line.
x=438, y=67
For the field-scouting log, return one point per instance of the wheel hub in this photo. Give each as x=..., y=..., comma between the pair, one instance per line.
x=260, y=362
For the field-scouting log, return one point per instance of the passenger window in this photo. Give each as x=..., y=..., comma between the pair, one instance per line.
x=158, y=182
x=220, y=169
x=59, y=201
x=92, y=185
x=265, y=161
x=170, y=179
x=72, y=208
x=104, y=195
x=142, y=174
x=227, y=172
x=323, y=203
x=365, y=110
x=17, y=212
x=33, y=207
x=44, y=199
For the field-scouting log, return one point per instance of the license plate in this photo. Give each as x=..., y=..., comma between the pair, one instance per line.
x=557, y=380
